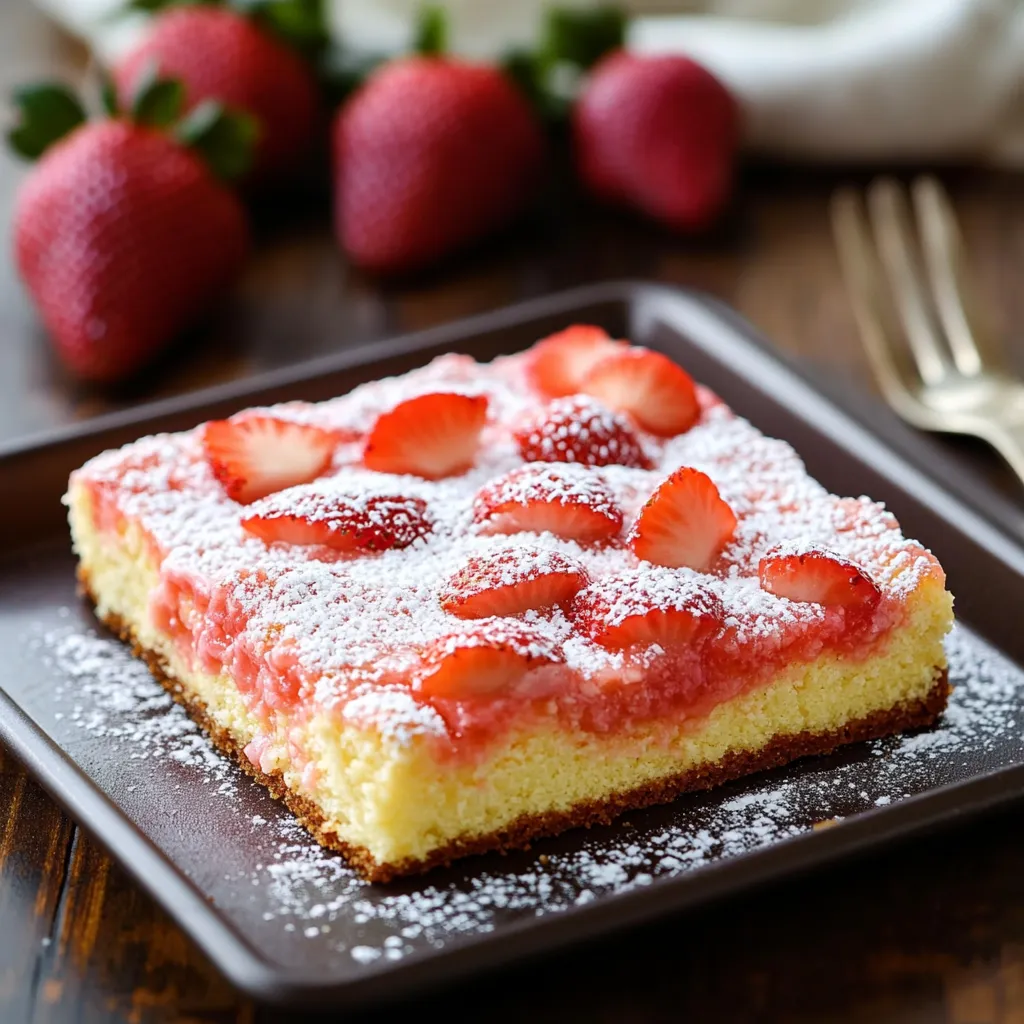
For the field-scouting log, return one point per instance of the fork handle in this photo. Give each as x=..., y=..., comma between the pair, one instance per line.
x=1008, y=440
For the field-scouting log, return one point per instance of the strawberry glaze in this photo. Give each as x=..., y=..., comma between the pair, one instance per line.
x=301, y=628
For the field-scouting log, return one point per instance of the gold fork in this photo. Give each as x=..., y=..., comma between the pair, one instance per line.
x=919, y=323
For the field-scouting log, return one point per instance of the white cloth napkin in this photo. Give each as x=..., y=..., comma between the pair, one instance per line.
x=821, y=80
x=882, y=80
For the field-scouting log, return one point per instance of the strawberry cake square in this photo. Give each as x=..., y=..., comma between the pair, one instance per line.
x=480, y=603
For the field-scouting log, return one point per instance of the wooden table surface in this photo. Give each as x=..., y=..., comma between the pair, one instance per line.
x=931, y=930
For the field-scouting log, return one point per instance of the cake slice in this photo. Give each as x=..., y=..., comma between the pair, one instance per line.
x=458, y=610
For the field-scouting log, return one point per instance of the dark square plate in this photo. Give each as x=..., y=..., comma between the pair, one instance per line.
x=287, y=921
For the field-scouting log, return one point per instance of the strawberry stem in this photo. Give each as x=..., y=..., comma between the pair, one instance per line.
x=301, y=24
x=342, y=70
x=431, y=37
x=225, y=139
x=46, y=112
x=153, y=6
x=157, y=101
x=582, y=37
x=108, y=95
x=571, y=42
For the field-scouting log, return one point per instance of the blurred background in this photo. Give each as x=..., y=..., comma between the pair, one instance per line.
x=397, y=197
x=827, y=91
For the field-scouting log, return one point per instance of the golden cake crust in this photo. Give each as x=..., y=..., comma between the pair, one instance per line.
x=519, y=834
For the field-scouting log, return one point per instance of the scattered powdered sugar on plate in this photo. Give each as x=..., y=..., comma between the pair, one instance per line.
x=106, y=692
x=290, y=883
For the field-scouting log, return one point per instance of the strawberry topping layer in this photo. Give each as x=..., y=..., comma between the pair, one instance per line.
x=579, y=429
x=659, y=395
x=814, y=575
x=469, y=555
x=684, y=523
x=256, y=455
x=433, y=436
x=558, y=364
x=360, y=523
x=493, y=661
x=511, y=582
x=569, y=500
x=640, y=608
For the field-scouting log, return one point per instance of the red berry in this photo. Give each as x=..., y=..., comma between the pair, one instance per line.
x=557, y=364
x=430, y=155
x=684, y=523
x=657, y=393
x=579, y=429
x=511, y=582
x=802, y=573
x=650, y=606
x=254, y=455
x=432, y=436
x=220, y=54
x=123, y=238
x=659, y=134
x=570, y=501
x=488, y=662
x=302, y=515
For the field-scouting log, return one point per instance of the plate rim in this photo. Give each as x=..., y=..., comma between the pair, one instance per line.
x=387, y=981
x=242, y=964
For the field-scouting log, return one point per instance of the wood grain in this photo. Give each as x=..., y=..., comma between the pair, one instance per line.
x=35, y=841
x=929, y=931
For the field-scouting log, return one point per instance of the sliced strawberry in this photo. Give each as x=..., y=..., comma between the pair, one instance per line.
x=579, y=429
x=557, y=364
x=511, y=582
x=684, y=523
x=482, y=664
x=570, y=501
x=475, y=671
x=302, y=515
x=651, y=606
x=659, y=395
x=817, y=575
x=254, y=455
x=432, y=436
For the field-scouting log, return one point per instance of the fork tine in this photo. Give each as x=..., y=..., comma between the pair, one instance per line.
x=873, y=313
x=944, y=259
x=890, y=217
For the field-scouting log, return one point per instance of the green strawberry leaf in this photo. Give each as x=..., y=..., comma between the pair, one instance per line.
x=108, y=95
x=526, y=69
x=342, y=70
x=153, y=6
x=582, y=37
x=571, y=42
x=302, y=24
x=46, y=112
x=225, y=139
x=157, y=101
x=431, y=36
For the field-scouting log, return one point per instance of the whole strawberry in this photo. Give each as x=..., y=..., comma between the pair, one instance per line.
x=221, y=54
x=658, y=134
x=431, y=154
x=122, y=233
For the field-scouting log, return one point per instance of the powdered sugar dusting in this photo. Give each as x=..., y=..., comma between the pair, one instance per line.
x=394, y=712
x=581, y=430
x=656, y=587
x=280, y=883
x=370, y=616
x=106, y=693
x=565, y=484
